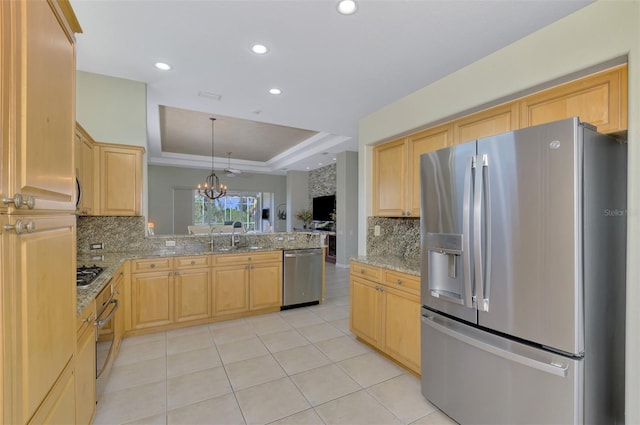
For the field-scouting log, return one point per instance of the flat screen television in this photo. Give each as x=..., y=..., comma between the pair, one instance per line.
x=323, y=206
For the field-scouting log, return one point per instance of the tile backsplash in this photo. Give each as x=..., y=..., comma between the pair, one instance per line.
x=399, y=237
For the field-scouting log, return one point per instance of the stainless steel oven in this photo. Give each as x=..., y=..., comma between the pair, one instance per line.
x=106, y=305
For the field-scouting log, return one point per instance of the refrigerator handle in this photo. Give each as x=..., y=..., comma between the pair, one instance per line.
x=478, y=196
x=487, y=220
x=466, y=245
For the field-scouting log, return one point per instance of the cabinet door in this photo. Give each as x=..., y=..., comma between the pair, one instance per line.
x=152, y=299
x=265, y=286
x=501, y=119
x=43, y=153
x=119, y=291
x=7, y=96
x=120, y=180
x=401, y=327
x=86, y=376
x=417, y=144
x=600, y=100
x=230, y=290
x=84, y=171
x=60, y=405
x=193, y=299
x=42, y=298
x=390, y=179
x=365, y=310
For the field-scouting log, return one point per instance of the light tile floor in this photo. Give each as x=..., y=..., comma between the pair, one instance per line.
x=299, y=366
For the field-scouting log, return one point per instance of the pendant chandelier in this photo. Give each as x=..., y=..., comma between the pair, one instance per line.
x=212, y=187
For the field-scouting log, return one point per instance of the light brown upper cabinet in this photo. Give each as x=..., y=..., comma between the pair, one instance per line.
x=396, y=171
x=600, y=99
x=500, y=119
x=84, y=170
x=38, y=107
x=118, y=186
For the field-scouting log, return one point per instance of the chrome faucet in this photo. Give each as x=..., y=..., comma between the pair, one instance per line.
x=233, y=238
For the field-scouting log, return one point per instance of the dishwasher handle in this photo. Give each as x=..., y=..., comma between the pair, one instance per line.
x=305, y=254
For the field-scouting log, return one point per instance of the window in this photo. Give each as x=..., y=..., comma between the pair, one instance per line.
x=245, y=207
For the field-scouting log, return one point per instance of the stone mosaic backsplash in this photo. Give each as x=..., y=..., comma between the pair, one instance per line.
x=127, y=234
x=399, y=238
x=322, y=181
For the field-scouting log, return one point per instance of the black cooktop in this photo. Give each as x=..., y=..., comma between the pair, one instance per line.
x=87, y=274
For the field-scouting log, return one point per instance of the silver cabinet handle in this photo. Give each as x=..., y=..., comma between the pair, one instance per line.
x=193, y=262
x=176, y=274
x=153, y=266
x=399, y=282
x=362, y=271
x=21, y=227
x=19, y=201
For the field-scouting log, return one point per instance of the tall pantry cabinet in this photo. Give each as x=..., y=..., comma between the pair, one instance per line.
x=38, y=224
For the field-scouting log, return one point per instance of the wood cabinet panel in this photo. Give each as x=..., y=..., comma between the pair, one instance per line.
x=418, y=144
x=84, y=146
x=501, y=119
x=152, y=299
x=43, y=316
x=44, y=114
x=59, y=407
x=401, y=322
x=365, y=310
x=120, y=180
x=265, y=286
x=371, y=273
x=387, y=314
x=85, y=368
x=389, y=179
x=191, y=262
x=230, y=290
x=600, y=99
x=192, y=295
x=151, y=265
x=246, y=258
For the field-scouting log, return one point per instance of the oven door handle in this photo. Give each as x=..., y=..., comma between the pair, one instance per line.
x=101, y=322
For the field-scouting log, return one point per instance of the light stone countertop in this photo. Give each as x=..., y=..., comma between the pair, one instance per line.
x=398, y=264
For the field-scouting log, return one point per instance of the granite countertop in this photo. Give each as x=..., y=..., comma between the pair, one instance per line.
x=398, y=264
x=110, y=262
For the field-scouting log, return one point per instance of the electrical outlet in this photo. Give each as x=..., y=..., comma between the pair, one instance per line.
x=98, y=245
x=169, y=243
x=376, y=230
x=280, y=238
x=291, y=238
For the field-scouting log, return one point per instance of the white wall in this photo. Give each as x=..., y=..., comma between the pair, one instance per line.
x=114, y=110
x=297, y=196
x=596, y=34
x=347, y=207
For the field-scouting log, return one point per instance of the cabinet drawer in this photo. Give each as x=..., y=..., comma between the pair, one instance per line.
x=363, y=270
x=155, y=264
x=402, y=281
x=189, y=262
x=86, y=318
x=246, y=258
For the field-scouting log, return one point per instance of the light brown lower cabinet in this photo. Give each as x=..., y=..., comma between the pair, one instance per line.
x=86, y=366
x=247, y=282
x=385, y=312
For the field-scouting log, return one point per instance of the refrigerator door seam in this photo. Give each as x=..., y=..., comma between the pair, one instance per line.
x=553, y=368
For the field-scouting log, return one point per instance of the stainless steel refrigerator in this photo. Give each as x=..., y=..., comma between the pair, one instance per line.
x=523, y=239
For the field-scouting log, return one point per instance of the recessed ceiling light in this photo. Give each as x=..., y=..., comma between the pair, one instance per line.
x=163, y=66
x=259, y=49
x=319, y=163
x=275, y=91
x=334, y=159
x=347, y=7
x=308, y=168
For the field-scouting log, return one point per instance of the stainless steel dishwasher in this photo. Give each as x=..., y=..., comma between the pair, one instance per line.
x=302, y=282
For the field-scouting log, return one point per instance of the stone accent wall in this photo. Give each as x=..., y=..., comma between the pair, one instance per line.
x=399, y=237
x=322, y=181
